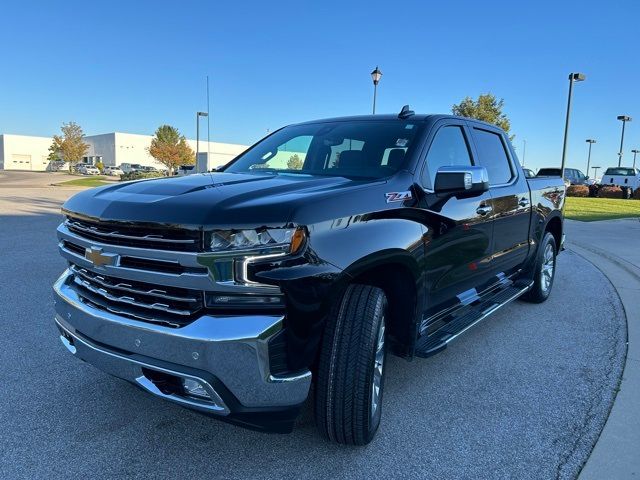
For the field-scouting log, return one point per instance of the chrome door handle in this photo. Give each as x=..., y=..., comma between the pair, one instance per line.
x=523, y=202
x=484, y=210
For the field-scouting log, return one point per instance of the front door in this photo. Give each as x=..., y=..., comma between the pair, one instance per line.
x=459, y=229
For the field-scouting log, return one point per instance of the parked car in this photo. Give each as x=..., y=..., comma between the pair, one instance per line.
x=148, y=168
x=572, y=175
x=528, y=173
x=397, y=234
x=622, y=176
x=58, y=166
x=130, y=167
x=185, y=170
x=113, y=171
x=89, y=170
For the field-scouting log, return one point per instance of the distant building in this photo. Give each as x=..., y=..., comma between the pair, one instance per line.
x=22, y=152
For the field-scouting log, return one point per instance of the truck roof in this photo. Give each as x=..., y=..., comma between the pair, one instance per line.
x=418, y=117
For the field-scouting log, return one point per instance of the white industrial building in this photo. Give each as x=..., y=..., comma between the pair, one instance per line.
x=23, y=152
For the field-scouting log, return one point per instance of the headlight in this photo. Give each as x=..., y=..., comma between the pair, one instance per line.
x=286, y=240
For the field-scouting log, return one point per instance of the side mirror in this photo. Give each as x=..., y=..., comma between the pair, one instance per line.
x=465, y=180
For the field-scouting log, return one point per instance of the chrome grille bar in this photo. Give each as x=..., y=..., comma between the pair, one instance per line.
x=126, y=287
x=74, y=225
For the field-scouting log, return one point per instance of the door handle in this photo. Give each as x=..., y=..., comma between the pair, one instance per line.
x=484, y=210
x=523, y=202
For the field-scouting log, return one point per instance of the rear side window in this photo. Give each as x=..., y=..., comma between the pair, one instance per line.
x=449, y=148
x=493, y=156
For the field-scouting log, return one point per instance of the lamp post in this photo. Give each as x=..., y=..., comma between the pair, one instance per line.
x=198, y=115
x=595, y=172
x=573, y=77
x=590, y=141
x=624, y=119
x=375, y=76
x=635, y=152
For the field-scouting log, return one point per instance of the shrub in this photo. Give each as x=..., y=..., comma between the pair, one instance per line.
x=578, y=191
x=636, y=194
x=609, y=191
x=593, y=190
x=140, y=175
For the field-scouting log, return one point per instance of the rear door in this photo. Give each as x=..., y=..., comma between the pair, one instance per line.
x=460, y=229
x=510, y=199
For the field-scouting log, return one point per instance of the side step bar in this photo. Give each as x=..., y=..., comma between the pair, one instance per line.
x=466, y=317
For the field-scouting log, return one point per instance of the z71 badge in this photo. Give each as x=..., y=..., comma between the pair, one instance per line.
x=398, y=196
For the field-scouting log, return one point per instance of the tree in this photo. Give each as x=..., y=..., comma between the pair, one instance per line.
x=69, y=146
x=486, y=108
x=170, y=148
x=294, y=162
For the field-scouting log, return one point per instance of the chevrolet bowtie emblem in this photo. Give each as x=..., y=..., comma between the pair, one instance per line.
x=98, y=258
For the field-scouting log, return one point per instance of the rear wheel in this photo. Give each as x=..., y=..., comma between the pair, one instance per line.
x=350, y=379
x=545, y=269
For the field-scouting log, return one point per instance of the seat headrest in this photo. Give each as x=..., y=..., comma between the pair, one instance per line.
x=396, y=157
x=350, y=159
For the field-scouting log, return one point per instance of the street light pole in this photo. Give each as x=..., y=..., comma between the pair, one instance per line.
x=524, y=150
x=375, y=76
x=198, y=115
x=590, y=141
x=573, y=77
x=624, y=119
x=635, y=152
x=595, y=172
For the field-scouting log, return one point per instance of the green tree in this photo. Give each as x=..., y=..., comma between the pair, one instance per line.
x=294, y=162
x=170, y=148
x=486, y=108
x=69, y=146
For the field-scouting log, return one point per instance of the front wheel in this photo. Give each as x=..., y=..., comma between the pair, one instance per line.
x=350, y=379
x=545, y=270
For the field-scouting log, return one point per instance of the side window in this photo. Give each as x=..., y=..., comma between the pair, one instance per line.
x=493, y=156
x=448, y=148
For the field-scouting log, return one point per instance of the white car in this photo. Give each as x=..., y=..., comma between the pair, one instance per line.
x=113, y=171
x=89, y=170
x=622, y=177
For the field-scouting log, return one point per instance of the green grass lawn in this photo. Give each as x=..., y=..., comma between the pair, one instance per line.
x=92, y=181
x=592, y=209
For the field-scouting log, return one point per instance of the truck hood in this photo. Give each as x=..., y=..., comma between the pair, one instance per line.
x=223, y=200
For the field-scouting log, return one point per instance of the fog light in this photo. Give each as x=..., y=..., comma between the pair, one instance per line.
x=243, y=300
x=194, y=388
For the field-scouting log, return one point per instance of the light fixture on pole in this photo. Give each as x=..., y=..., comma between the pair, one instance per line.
x=624, y=119
x=590, y=141
x=376, y=75
x=198, y=115
x=573, y=77
x=595, y=172
x=635, y=152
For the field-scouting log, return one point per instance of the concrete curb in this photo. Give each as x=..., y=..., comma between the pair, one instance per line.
x=615, y=454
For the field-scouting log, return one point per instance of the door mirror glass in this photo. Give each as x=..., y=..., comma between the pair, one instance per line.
x=461, y=180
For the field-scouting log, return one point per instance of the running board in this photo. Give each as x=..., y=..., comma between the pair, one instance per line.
x=466, y=317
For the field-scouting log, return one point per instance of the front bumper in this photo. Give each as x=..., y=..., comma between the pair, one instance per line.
x=227, y=355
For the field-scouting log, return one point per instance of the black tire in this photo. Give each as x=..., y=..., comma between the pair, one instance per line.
x=542, y=286
x=344, y=389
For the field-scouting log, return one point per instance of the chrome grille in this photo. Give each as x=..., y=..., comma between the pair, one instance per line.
x=170, y=305
x=137, y=236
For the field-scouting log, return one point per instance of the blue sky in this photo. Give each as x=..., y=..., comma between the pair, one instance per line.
x=131, y=66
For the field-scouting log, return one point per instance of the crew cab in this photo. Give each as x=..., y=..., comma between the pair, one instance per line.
x=231, y=292
x=624, y=177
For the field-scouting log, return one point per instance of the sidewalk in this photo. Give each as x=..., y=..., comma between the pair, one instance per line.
x=614, y=247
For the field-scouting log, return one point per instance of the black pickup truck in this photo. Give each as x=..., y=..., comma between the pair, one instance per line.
x=307, y=259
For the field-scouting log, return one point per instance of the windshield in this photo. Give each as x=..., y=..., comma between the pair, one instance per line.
x=620, y=171
x=363, y=149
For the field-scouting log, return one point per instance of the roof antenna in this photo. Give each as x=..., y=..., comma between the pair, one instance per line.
x=406, y=112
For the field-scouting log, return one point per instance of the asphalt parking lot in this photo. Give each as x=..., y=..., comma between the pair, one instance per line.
x=522, y=395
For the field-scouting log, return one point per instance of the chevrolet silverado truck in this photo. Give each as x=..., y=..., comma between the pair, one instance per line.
x=306, y=260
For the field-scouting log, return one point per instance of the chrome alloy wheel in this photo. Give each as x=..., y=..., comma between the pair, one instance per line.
x=547, y=268
x=376, y=383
